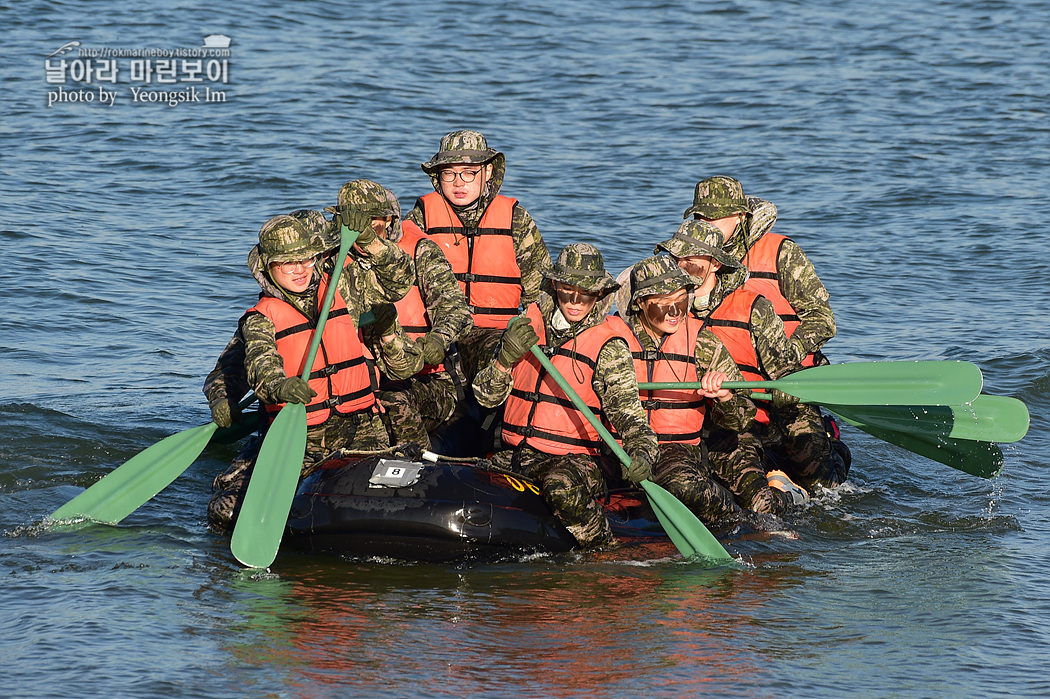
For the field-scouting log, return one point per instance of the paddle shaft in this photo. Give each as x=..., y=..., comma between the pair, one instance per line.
x=868, y=383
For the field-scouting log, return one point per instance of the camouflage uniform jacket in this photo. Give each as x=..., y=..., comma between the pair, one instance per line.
x=251, y=360
x=529, y=247
x=614, y=380
x=447, y=308
x=735, y=414
x=799, y=282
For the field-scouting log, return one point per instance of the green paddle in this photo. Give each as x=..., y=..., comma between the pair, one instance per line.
x=686, y=531
x=997, y=419
x=129, y=486
x=977, y=458
x=271, y=488
x=870, y=383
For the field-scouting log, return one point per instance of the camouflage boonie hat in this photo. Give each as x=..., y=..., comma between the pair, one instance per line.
x=658, y=274
x=285, y=239
x=718, y=197
x=582, y=265
x=461, y=148
x=698, y=238
x=366, y=195
x=314, y=221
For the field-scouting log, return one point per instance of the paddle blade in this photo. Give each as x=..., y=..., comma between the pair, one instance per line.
x=879, y=383
x=271, y=488
x=982, y=459
x=986, y=419
x=129, y=486
x=688, y=533
x=993, y=419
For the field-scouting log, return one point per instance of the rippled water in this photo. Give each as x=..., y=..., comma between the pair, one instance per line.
x=905, y=146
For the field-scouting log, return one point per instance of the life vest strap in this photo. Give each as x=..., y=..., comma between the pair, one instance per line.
x=490, y=278
x=537, y=397
x=330, y=369
x=339, y=400
x=685, y=437
x=762, y=275
x=467, y=232
x=657, y=404
x=476, y=310
x=530, y=431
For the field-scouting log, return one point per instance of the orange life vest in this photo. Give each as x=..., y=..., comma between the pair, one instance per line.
x=411, y=311
x=341, y=374
x=483, y=258
x=675, y=415
x=764, y=279
x=731, y=322
x=537, y=412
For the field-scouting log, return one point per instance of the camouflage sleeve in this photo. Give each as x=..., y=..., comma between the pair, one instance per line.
x=806, y=293
x=778, y=356
x=416, y=216
x=491, y=385
x=614, y=380
x=449, y=316
x=262, y=362
x=533, y=257
x=371, y=280
x=228, y=380
x=399, y=358
x=711, y=355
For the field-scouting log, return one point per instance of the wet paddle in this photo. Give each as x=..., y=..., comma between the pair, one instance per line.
x=870, y=383
x=271, y=487
x=977, y=458
x=998, y=419
x=686, y=531
x=132, y=484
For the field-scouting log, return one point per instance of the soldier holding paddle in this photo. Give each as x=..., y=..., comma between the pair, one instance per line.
x=339, y=397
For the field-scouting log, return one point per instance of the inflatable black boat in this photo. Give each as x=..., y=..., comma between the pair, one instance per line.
x=436, y=511
x=447, y=508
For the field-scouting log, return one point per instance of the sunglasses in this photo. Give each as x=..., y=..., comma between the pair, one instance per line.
x=657, y=312
x=575, y=295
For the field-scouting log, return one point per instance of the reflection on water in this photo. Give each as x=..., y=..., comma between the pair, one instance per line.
x=548, y=628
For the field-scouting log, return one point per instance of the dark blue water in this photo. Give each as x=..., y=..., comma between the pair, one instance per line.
x=906, y=147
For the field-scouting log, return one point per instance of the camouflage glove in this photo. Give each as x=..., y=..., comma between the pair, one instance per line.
x=385, y=322
x=221, y=414
x=782, y=400
x=640, y=469
x=361, y=221
x=294, y=390
x=433, y=349
x=517, y=340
